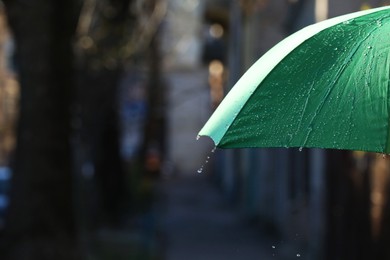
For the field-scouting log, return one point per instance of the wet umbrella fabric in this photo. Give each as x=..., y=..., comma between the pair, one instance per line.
x=326, y=86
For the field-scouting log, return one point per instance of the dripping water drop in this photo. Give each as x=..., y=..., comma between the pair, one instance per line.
x=200, y=170
x=197, y=137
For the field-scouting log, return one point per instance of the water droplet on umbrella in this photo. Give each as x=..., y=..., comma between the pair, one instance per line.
x=198, y=137
x=348, y=22
x=369, y=47
x=200, y=170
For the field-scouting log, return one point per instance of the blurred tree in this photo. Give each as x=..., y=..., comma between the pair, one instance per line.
x=99, y=67
x=68, y=116
x=110, y=33
x=40, y=222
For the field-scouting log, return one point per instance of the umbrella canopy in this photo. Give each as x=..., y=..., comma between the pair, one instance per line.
x=326, y=86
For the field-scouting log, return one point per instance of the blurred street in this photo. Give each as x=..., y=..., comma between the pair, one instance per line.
x=199, y=224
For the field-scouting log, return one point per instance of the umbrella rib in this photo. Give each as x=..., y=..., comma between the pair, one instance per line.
x=303, y=110
x=333, y=83
x=386, y=150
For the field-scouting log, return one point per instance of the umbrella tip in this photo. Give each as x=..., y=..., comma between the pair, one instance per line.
x=198, y=137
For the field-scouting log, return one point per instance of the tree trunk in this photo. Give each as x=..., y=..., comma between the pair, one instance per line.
x=40, y=222
x=100, y=136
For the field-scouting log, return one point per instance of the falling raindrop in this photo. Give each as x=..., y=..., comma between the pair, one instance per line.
x=300, y=149
x=200, y=170
x=298, y=255
x=273, y=247
x=197, y=137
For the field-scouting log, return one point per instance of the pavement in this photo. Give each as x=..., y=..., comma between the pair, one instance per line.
x=199, y=223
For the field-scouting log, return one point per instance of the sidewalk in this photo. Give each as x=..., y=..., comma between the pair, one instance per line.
x=199, y=224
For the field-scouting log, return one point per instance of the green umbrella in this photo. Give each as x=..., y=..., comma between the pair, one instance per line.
x=326, y=86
